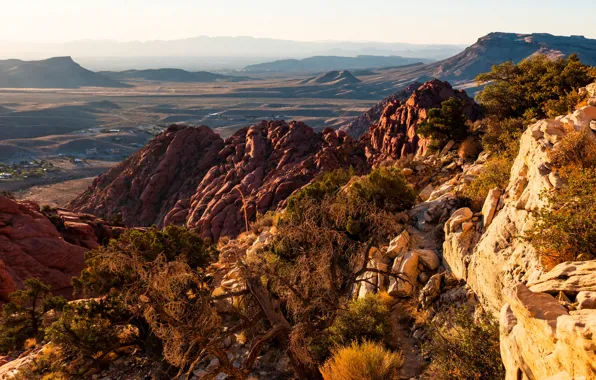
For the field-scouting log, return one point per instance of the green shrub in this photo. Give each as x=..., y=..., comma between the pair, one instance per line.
x=325, y=185
x=386, y=188
x=85, y=330
x=367, y=319
x=462, y=348
x=22, y=317
x=496, y=173
x=362, y=361
x=535, y=88
x=446, y=123
x=564, y=229
x=501, y=136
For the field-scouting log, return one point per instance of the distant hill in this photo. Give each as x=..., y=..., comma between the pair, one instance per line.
x=496, y=48
x=333, y=77
x=60, y=72
x=326, y=63
x=174, y=75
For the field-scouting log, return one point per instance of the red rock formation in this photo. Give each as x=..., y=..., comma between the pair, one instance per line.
x=31, y=245
x=395, y=133
x=266, y=163
x=147, y=185
x=362, y=123
x=190, y=176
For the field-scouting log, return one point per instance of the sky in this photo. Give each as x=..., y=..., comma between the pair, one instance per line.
x=428, y=21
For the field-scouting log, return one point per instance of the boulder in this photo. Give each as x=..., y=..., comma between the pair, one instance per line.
x=407, y=267
x=428, y=258
x=398, y=245
x=431, y=290
x=586, y=300
x=490, y=206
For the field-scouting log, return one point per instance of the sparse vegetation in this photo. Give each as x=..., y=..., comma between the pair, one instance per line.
x=360, y=361
x=446, y=123
x=463, y=347
x=564, y=229
x=495, y=173
x=22, y=317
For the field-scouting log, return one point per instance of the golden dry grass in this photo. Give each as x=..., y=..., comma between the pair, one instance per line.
x=366, y=361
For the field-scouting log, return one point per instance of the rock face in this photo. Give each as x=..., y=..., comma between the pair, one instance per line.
x=395, y=133
x=541, y=336
x=190, y=176
x=146, y=186
x=32, y=246
x=362, y=123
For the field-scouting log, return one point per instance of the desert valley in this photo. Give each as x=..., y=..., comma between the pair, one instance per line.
x=355, y=211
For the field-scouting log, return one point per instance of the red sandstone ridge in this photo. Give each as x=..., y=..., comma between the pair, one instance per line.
x=362, y=123
x=147, y=185
x=394, y=135
x=190, y=176
x=32, y=245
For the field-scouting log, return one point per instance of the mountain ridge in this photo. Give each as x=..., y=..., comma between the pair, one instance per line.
x=56, y=72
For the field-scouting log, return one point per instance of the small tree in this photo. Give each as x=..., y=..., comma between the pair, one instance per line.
x=446, y=123
x=22, y=316
x=535, y=88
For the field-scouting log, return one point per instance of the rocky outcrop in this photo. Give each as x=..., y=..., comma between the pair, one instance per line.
x=547, y=318
x=147, y=185
x=190, y=176
x=394, y=135
x=501, y=258
x=362, y=123
x=541, y=339
x=33, y=245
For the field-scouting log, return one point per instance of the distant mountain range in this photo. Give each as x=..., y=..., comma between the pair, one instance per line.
x=493, y=49
x=210, y=53
x=60, y=72
x=174, y=75
x=327, y=63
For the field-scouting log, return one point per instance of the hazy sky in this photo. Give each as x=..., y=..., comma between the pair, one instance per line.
x=428, y=21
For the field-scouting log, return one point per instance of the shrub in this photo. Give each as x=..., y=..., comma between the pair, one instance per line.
x=385, y=188
x=501, y=136
x=326, y=184
x=86, y=329
x=22, y=317
x=462, y=348
x=446, y=123
x=111, y=267
x=367, y=319
x=578, y=149
x=496, y=173
x=535, y=88
x=362, y=361
x=564, y=228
